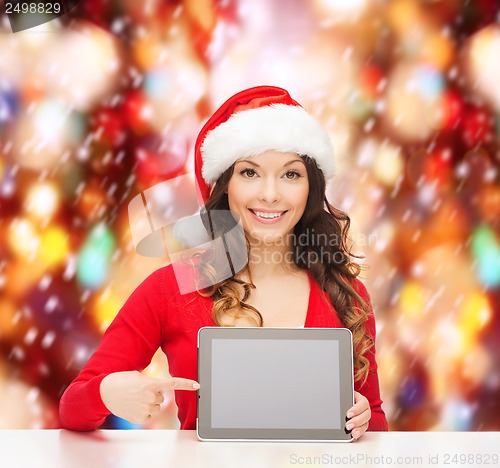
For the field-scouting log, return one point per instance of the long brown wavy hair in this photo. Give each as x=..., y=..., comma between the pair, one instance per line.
x=335, y=276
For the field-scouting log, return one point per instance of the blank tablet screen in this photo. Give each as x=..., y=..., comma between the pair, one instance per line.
x=274, y=383
x=266, y=378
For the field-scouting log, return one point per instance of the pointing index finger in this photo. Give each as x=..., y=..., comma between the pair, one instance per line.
x=185, y=384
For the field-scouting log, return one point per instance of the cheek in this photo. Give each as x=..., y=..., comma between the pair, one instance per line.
x=301, y=197
x=234, y=197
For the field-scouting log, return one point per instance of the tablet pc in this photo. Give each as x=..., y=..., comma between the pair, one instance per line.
x=278, y=384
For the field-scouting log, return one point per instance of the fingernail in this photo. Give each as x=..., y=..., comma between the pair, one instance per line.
x=350, y=414
x=355, y=434
x=196, y=386
x=349, y=426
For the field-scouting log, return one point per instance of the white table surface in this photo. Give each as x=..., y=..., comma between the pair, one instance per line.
x=171, y=448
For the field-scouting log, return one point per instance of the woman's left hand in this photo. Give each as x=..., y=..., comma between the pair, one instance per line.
x=359, y=415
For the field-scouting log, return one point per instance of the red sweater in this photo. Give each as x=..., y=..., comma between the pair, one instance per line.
x=157, y=315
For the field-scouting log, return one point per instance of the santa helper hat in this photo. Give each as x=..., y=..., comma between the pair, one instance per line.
x=254, y=121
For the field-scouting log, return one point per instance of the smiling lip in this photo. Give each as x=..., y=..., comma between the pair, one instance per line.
x=267, y=220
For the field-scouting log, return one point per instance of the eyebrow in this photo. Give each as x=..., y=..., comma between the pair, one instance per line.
x=248, y=161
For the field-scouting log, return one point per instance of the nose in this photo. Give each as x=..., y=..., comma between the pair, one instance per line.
x=269, y=191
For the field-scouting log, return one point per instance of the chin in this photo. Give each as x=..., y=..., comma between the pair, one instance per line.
x=268, y=238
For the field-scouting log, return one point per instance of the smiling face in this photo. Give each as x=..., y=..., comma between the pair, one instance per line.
x=269, y=193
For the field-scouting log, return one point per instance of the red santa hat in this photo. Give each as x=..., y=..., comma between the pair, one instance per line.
x=251, y=122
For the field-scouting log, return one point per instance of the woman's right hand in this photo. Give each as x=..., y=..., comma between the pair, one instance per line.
x=136, y=397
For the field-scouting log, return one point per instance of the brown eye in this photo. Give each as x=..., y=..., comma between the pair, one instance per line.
x=291, y=175
x=250, y=173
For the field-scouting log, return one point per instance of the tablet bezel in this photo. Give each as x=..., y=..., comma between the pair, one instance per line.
x=205, y=336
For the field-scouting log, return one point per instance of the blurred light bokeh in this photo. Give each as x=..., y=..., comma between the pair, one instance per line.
x=106, y=102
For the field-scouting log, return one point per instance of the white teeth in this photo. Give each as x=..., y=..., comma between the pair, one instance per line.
x=260, y=214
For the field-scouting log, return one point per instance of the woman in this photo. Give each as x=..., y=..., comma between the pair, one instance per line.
x=265, y=161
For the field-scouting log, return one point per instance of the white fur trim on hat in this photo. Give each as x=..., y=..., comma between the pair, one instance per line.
x=279, y=127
